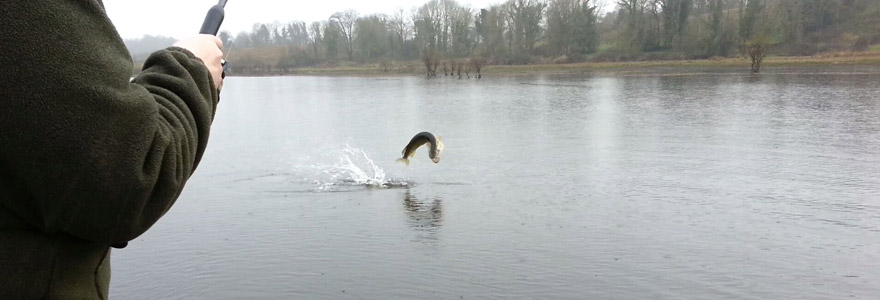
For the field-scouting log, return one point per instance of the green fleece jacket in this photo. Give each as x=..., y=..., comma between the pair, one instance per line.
x=88, y=157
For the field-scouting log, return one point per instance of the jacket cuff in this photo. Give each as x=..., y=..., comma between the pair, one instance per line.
x=192, y=56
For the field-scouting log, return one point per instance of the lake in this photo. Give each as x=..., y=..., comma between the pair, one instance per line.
x=671, y=184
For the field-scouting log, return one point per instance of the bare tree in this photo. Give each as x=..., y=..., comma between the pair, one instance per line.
x=430, y=58
x=758, y=32
x=632, y=13
x=461, y=35
x=675, y=18
x=400, y=26
x=372, y=37
x=489, y=26
x=571, y=26
x=315, y=36
x=346, y=20
x=386, y=65
x=427, y=24
x=477, y=62
x=447, y=10
x=525, y=18
x=435, y=61
x=756, y=49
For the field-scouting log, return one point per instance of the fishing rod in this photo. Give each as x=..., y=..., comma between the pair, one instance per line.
x=211, y=26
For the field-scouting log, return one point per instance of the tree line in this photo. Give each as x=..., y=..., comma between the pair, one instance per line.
x=445, y=32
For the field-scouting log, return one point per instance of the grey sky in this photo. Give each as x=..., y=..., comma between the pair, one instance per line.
x=180, y=18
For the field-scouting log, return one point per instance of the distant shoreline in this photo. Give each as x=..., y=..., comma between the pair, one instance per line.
x=836, y=58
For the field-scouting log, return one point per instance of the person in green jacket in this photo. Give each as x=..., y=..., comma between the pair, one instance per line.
x=90, y=158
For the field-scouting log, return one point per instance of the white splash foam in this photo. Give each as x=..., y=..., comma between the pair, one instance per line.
x=353, y=168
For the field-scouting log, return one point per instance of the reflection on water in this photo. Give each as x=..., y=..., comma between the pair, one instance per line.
x=423, y=216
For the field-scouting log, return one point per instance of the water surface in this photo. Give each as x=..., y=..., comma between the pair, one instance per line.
x=675, y=185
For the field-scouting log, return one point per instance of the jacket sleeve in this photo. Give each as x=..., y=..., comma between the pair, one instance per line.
x=100, y=156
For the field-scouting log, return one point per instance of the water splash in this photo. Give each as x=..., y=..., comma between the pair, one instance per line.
x=354, y=168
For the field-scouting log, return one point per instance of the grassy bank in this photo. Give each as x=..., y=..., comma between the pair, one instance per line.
x=863, y=58
x=415, y=68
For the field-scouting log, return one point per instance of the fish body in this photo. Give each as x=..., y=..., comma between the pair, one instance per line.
x=435, y=146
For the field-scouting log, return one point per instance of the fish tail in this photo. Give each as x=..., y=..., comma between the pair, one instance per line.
x=403, y=160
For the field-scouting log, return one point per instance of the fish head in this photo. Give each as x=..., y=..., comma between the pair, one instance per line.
x=436, y=157
x=439, y=145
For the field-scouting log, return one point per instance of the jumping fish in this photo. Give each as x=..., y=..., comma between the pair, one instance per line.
x=434, y=144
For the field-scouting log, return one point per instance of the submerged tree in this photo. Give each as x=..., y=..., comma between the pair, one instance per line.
x=756, y=48
x=756, y=31
x=477, y=62
x=430, y=58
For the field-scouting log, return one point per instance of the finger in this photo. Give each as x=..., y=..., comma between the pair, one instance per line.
x=219, y=53
x=217, y=41
x=218, y=76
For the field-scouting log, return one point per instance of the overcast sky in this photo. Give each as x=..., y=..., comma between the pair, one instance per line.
x=180, y=18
